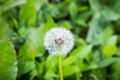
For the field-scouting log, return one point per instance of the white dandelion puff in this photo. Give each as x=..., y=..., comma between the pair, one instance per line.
x=59, y=41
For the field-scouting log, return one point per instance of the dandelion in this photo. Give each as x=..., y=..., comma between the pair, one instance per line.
x=59, y=41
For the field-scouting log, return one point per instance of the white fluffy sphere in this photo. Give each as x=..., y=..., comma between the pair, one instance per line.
x=59, y=41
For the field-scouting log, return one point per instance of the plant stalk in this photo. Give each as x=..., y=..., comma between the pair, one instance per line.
x=60, y=67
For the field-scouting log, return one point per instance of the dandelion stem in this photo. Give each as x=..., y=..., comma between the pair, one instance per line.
x=60, y=67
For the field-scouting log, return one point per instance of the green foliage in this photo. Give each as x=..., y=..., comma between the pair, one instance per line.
x=106, y=62
x=31, y=48
x=28, y=13
x=116, y=72
x=73, y=10
x=8, y=61
x=94, y=23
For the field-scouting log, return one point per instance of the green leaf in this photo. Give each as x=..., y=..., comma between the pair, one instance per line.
x=112, y=40
x=81, y=22
x=109, y=50
x=83, y=8
x=69, y=60
x=95, y=5
x=58, y=11
x=51, y=66
x=5, y=30
x=106, y=35
x=28, y=13
x=97, y=25
x=73, y=10
x=110, y=15
x=82, y=52
x=91, y=67
x=51, y=62
x=69, y=70
x=39, y=68
x=83, y=17
x=26, y=58
x=49, y=75
x=77, y=56
x=66, y=24
x=39, y=3
x=8, y=61
x=98, y=74
x=110, y=47
x=11, y=4
x=106, y=62
x=42, y=31
x=116, y=70
x=32, y=74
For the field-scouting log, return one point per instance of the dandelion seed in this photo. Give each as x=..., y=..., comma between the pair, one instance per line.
x=59, y=41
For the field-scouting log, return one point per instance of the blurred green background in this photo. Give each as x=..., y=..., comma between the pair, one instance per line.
x=94, y=23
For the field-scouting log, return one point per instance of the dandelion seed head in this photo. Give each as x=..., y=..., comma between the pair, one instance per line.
x=59, y=41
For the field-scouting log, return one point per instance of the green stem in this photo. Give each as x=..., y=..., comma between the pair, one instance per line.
x=77, y=76
x=60, y=67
